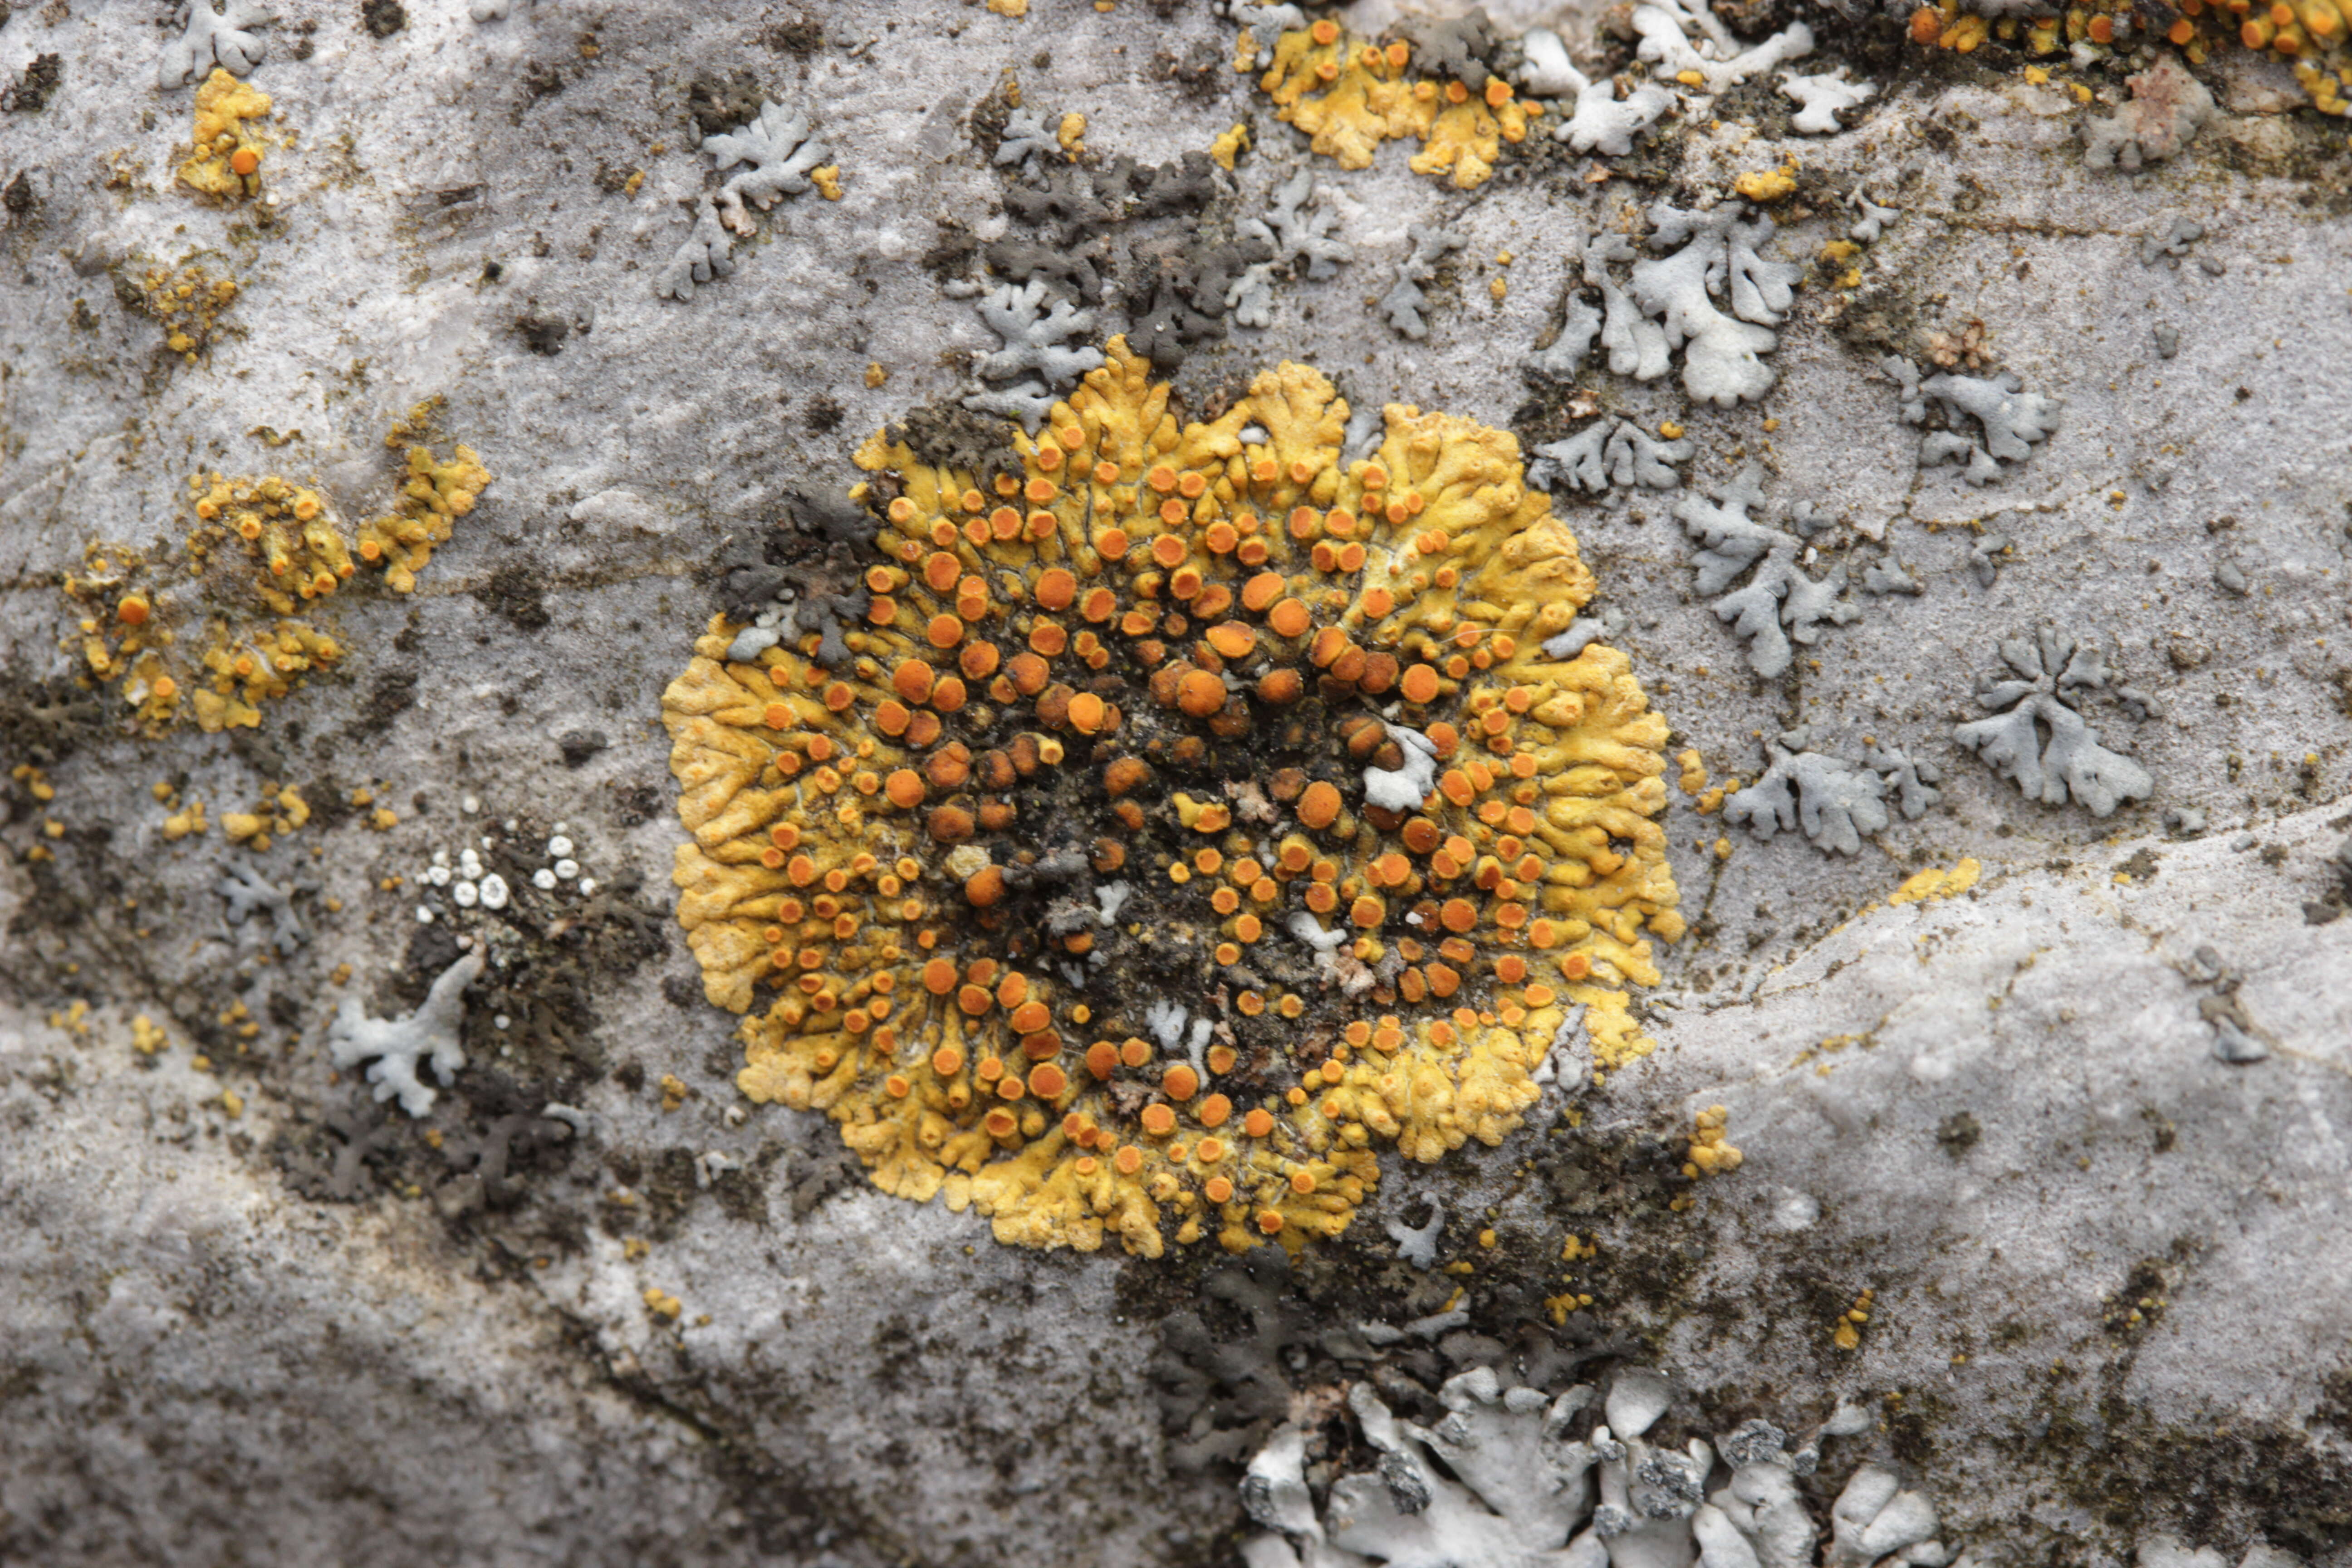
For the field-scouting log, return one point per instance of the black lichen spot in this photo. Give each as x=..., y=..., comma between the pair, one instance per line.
x=947, y=434
x=45, y=722
x=18, y=196
x=719, y=102
x=1958, y=1132
x=514, y=595
x=543, y=334
x=392, y=693
x=949, y=256
x=383, y=19
x=682, y=991
x=578, y=745
x=799, y=37
x=30, y=93
x=823, y=416
x=540, y=78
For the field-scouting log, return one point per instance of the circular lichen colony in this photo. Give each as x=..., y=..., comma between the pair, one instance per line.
x=1189, y=812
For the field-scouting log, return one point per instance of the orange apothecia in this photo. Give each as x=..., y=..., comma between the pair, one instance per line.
x=1235, y=857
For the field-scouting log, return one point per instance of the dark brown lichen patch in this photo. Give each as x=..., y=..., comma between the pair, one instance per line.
x=513, y=593
x=30, y=92
x=947, y=434
x=716, y=104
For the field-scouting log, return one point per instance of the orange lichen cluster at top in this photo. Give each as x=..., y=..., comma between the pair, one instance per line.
x=1349, y=94
x=2310, y=36
x=273, y=542
x=1101, y=748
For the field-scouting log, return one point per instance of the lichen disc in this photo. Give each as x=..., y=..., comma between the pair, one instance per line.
x=1061, y=889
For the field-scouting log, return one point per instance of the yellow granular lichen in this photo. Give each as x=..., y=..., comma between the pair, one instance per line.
x=262, y=548
x=1060, y=890
x=1924, y=886
x=225, y=161
x=186, y=303
x=435, y=495
x=1349, y=94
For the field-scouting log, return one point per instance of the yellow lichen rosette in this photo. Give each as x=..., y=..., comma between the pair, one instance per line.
x=1192, y=814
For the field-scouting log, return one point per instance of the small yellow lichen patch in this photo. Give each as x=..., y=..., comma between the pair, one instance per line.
x=874, y=375
x=1768, y=184
x=187, y=304
x=1229, y=146
x=189, y=819
x=145, y=1037
x=1102, y=650
x=1847, y=1333
x=1924, y=886
x=1071, y=134
x=227, y=160
x=232, y=1102
x=433, y=497
x=1009, y=7
x=662, y=1304
x=1709, y=1150
x=673, y=1092
x=1693, y=778
x=827, y=180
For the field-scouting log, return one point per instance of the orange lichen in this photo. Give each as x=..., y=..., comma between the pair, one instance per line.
x=1348, y=95
x=2311, y=36
x=951, y=993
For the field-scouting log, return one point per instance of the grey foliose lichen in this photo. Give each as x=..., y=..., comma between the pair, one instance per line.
x=1298, y=228
x=1668, y=304
x=398, y=1048
x=704, y=255
x=1404, y=302
x=1779, y=608
x=1607, y=452
x=1504, y=1479
x=1027, y=138
x=1601, y=121
x=2011, y=419
x=1417, y=1244
x=1821, y=99
x=777, y=152
x=1834, y=802
x=1873, y=219
x=2050, y=672
x=2237, y=1038
x=249, y=892
x=1034, y=328
x=208, y=36
x=1666, y=30
x=2168, y=106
